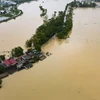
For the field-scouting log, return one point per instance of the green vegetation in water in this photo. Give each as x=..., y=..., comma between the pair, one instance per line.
x=0, y=83
x=22, y=1
x=44, y=11
x=2, y=58
x=82, y=4
x=28, y=43
x=17, y=51
x=51, y=27
x=2, y=69
x=68, y=23
x=97, y=0
x=10, y=12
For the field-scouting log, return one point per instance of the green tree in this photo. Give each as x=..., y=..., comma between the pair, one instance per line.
x=2, y=69
x=28, y=43
x=2, y=57
x=44, y=11
x=17, y=51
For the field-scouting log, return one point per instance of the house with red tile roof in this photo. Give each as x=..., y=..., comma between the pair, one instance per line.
x=10, y=62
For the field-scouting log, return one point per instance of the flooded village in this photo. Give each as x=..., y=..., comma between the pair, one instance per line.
x=26, y=61
x=73, y=70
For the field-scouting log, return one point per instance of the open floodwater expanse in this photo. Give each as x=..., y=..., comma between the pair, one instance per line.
x=72, y=72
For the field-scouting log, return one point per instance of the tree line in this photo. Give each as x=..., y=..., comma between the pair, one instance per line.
x=50, y=27
x=82, y=4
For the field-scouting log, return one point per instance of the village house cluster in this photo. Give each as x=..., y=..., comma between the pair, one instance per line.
x=8, y=10
x=6, y=6
x=25, y=61
x=6, y=3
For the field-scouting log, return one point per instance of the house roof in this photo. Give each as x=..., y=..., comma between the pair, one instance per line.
x=21, y=62
x=31, y=54
x=26, y=57
x=12, y=61
x=9, y=62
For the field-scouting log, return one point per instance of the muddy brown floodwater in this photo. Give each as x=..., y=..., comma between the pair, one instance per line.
x=72, y=72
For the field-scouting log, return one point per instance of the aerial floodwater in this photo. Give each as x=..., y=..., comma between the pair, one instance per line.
x=72, y=72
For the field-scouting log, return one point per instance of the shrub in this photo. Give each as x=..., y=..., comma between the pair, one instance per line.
x=17, y=51
x=2, y=69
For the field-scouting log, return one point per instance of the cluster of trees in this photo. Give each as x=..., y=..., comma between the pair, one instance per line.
x=44, y=11
x=49, y=28
x=87, y=4
x=82, y=4
x=22, y=1
x=17, y=51
x=97, y=0
x=46, y=31
x=13, y=12
x=67, y=26
x=28, y=43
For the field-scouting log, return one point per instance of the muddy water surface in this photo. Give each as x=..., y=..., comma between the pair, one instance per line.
x=72, y=72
